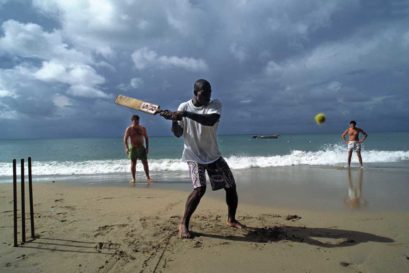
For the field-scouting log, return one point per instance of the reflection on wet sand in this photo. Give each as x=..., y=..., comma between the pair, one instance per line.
x=354, y=198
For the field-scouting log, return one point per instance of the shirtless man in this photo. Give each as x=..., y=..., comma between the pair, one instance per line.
x=138, y=136
x=354, y=144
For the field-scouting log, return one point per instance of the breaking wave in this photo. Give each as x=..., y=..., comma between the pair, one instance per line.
x=331, y=155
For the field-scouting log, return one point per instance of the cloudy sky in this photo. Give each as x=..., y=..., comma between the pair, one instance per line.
x=274, y=64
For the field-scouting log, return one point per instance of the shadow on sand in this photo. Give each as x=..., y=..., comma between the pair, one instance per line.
x=322, y=237
x=61, y=245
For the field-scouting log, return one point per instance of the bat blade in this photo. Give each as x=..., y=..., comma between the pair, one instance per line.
x=136, y=104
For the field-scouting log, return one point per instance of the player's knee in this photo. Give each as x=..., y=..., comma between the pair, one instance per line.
x=201, y=191
x=231, y=189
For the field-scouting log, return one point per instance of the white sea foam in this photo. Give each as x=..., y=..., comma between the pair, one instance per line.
x=330, y=156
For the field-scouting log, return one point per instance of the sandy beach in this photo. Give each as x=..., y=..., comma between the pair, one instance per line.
x=299, y=109
x=134, y=229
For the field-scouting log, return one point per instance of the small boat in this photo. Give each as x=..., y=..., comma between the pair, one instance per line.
x=266, y=136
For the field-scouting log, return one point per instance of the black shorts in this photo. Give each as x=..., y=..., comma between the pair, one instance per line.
x=219, y=174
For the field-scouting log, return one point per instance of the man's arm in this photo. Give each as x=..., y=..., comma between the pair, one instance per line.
x=344, y=134
x=177, y=130
x=126, y=135
x=146, y=140
x=365, y=136
x=206, y=120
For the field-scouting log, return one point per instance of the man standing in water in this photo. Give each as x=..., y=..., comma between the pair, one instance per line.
x=138, y=136
x=197, y=120
x=354, y=144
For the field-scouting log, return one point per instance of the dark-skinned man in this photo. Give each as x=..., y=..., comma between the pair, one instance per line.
x=197, y=121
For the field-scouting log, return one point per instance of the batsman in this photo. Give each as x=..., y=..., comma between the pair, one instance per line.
x=197, y=120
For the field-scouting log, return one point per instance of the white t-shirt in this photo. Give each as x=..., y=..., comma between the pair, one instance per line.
x=200, y=140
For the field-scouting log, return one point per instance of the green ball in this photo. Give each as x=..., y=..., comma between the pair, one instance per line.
x=320, y=118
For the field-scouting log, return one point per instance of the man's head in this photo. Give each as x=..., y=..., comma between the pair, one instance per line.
x=352, y=123
x=135, y=119
x=202, y=91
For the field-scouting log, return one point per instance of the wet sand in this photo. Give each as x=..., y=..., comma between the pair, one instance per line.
x=326, y=188
x=309, y=187
x=120, y=228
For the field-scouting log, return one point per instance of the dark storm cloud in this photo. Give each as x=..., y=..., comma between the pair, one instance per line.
x=274, y=64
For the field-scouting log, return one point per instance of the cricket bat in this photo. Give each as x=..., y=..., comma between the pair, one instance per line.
x=136, y=104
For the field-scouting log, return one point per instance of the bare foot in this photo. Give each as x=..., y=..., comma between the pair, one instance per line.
x=235, y=224
x=184, y=232
x=149, y=180
x=132, y=181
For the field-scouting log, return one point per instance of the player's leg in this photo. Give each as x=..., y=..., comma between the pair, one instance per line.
x=221, y=168
x=232, y=201
x=349, y=157
x=146, y=169
x=191, y=204
x=198, y=176
x=358, y=153
x=133, y=171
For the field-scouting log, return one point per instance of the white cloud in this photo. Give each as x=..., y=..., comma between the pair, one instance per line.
x=84, y=74
x=7, y=113
x=82, y=78
x=273, y=69
x=136, y=82
x=177, y=23
x=31, y=41
x=86, y=14
x=144, y=58
x=61, y=101
x=61, y=64
x=86, y=92
x=6, y=93
x=51, y=71
x=332, y=60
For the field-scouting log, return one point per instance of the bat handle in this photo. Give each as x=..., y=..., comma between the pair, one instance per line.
x=159, y=111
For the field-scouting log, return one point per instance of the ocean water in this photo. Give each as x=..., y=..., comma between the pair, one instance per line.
x=105, y=157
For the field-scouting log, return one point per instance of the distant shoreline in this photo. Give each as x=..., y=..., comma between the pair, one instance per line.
x=220, y=134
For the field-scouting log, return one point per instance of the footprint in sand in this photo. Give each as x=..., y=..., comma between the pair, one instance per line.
x=22, y=257
x=345, y=264
x=103, y=230
x=293, y=218
x=69, y=207
x=105, y=198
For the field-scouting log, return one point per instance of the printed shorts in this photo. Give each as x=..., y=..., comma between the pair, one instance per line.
x=219, y=173
x=137, y=153
x=354, y=146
